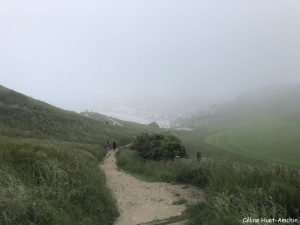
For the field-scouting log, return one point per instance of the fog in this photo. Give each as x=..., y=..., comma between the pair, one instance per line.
x=96, y=54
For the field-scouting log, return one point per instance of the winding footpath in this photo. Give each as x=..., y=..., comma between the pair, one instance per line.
x=141, y=202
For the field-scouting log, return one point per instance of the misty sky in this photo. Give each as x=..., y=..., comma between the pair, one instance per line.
x=86, y=54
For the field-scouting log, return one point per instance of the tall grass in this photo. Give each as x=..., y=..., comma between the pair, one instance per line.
x=239, y=191
x=49, y=159
x=235, y=190
x=48, y=185
x=177, y=171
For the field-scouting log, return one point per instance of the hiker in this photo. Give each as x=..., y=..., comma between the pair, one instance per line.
x=108, y=145
x=199, y=155
x=114, y=145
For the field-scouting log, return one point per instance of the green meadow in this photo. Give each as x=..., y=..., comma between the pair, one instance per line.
x=271, y=140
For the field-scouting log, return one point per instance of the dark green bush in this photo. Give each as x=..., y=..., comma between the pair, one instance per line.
x=153, y=125
x=159, y=147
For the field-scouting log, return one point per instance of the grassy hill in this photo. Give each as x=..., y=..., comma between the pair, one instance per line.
x=49, y=159
x=239, y=183
x=263, y=124
x=135, y=127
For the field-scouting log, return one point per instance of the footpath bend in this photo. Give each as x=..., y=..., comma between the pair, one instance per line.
x=141, y=202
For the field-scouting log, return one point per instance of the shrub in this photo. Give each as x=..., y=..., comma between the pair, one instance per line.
x=153, y=125
x=159, y=147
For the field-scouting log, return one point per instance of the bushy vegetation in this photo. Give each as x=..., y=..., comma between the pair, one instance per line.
x=153, y=125
x=158, y=147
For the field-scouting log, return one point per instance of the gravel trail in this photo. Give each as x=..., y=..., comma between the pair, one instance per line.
x=140, y=202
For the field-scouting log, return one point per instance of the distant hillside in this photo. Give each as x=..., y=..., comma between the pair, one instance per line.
x=97, y=116
x=26, y=117
x=275, y=101
x=49, y=159
x=263, y=124
x=121, y=123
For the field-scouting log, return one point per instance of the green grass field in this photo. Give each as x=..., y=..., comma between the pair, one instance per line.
x=272, y=140
x=49, y=164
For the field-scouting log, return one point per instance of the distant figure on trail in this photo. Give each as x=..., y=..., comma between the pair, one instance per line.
x=199, y=155
x=115, y=145
x=108, y=145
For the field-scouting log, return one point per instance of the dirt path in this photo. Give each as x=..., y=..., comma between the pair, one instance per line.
x=116, y=122
x=140, y=202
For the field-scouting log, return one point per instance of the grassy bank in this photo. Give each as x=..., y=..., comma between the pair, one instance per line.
x=49, y=160
x=178, y=171
x=46, y=183
x=235, y=190
x=239, y=191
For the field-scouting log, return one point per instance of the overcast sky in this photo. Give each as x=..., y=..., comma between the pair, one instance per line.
x=86, y=54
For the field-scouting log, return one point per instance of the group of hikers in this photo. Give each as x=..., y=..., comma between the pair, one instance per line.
x=108, y=145
x=114, y=145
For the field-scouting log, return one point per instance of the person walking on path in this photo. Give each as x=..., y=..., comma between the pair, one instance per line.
x=108, y=145
x=115, y=145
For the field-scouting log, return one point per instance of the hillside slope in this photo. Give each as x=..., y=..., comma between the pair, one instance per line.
x=275, y=101
x=49, y=164
x=263, y=124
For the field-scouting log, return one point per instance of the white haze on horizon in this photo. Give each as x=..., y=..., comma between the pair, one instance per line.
x=94, y=54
